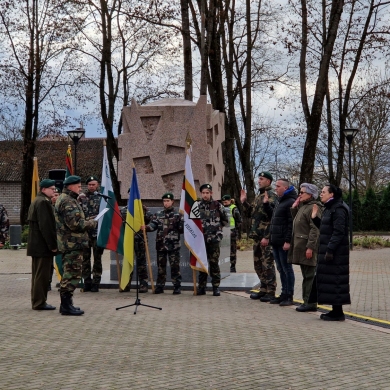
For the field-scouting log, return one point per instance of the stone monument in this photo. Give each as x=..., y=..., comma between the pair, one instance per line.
x=154, y=140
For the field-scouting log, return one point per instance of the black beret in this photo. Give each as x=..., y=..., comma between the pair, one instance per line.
x=206, y=187
x=57, y=190
x=91, y=178
x=46, y=183
x=226, y=197
x=168, y=195
x=72, y=180
x=266, y=174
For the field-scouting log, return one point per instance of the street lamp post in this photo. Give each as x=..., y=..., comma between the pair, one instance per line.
x=350, y=135
x=76, y=135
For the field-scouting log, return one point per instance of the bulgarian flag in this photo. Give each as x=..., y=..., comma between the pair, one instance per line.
x=110, y=227
x=69, y=162
x=134, y=221
x=193, y=229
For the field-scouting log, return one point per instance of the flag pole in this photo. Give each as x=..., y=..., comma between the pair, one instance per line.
x=148, y=260
x=188, y=143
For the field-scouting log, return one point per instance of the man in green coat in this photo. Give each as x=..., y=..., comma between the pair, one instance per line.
x=304, y=241
x=41, y=243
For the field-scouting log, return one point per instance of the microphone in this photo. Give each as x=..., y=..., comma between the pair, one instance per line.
x=105, y=197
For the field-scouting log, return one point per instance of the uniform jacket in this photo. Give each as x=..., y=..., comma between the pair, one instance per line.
x=260, y=219
x=90, y=204
x=333, y=276
x=305, y=234
x=282, y=222
x=42, y=238
x=72, y=226
x=169, y=226
x=214, y=218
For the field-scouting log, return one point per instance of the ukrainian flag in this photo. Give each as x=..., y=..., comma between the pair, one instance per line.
x=134, y=221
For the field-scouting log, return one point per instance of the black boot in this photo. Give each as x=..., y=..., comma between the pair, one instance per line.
x=201, y=291
x=66, y=308
x=71, y=302
x=216, y=292
x=176, y=289
x=87, y=285
x=94, y=288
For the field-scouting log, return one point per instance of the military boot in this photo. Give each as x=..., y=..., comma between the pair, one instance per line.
x=94, y=287
x=66, y=308
x=159, y=290
x=177, y=289
x=257, y=294
x=201, y=291
x=277, y=300
x=87, y=285
x=216, y=292
x=143, y=288
x=71, y=302
x=267, y=297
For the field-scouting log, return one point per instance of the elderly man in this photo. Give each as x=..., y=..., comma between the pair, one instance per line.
x=72, y=237
x=281, y=232
x=304, y=242
x=260, y=223
x=41, y=243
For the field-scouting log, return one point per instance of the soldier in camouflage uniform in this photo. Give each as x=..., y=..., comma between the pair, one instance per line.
x=235, y=223
x=169, y=226
x=72, y=238
x=91, y=203
x=263, y=258
x=213, y=217
x=140, y=254
x=4, y=225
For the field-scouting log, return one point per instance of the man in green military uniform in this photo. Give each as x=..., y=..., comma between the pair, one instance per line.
x=213, y=217
x=91, y=203
x=41, y=243
x=169, y=226
x=72, y=238
x=263, y=258
x=235, y=222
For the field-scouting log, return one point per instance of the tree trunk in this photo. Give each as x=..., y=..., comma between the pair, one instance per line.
x=187, y=53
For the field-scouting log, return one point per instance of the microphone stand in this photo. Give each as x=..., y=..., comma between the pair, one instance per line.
x=137, y=299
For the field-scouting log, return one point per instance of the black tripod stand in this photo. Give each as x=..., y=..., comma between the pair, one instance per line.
x=137, y=299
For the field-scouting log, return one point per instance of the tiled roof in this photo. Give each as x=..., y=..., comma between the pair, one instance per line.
x=51, y=155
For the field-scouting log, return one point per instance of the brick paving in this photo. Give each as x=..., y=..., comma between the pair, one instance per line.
x=227, y=342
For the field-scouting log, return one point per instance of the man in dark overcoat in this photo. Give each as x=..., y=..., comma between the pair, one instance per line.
x=41, y=243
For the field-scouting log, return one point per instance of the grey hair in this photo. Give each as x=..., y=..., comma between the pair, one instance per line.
x=311, y=189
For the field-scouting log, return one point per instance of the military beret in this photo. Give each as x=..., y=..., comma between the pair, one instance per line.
x=206, y=187
x=226, y=197
x=168, y=195
x=266, y=174
x=46, y=183
x=57, y=190
x=72, y=180
x=91, y=178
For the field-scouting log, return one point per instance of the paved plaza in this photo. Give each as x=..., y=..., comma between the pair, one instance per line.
x=206, y=342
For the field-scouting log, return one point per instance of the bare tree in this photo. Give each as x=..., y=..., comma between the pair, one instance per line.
x=34, y=68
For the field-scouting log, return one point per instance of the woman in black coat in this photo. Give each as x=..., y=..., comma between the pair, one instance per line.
x=333, y=253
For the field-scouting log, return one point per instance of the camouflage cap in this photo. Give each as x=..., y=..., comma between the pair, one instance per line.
x=91, y=178
x=266, y=174
x=168, y=195
x=226, y=197
x=46, y=183
x=205, y=187
x=72, y=180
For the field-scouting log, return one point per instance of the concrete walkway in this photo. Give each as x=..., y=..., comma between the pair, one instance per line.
x=227, y=342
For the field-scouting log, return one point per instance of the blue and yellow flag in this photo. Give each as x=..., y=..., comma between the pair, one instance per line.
x=134, y=221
